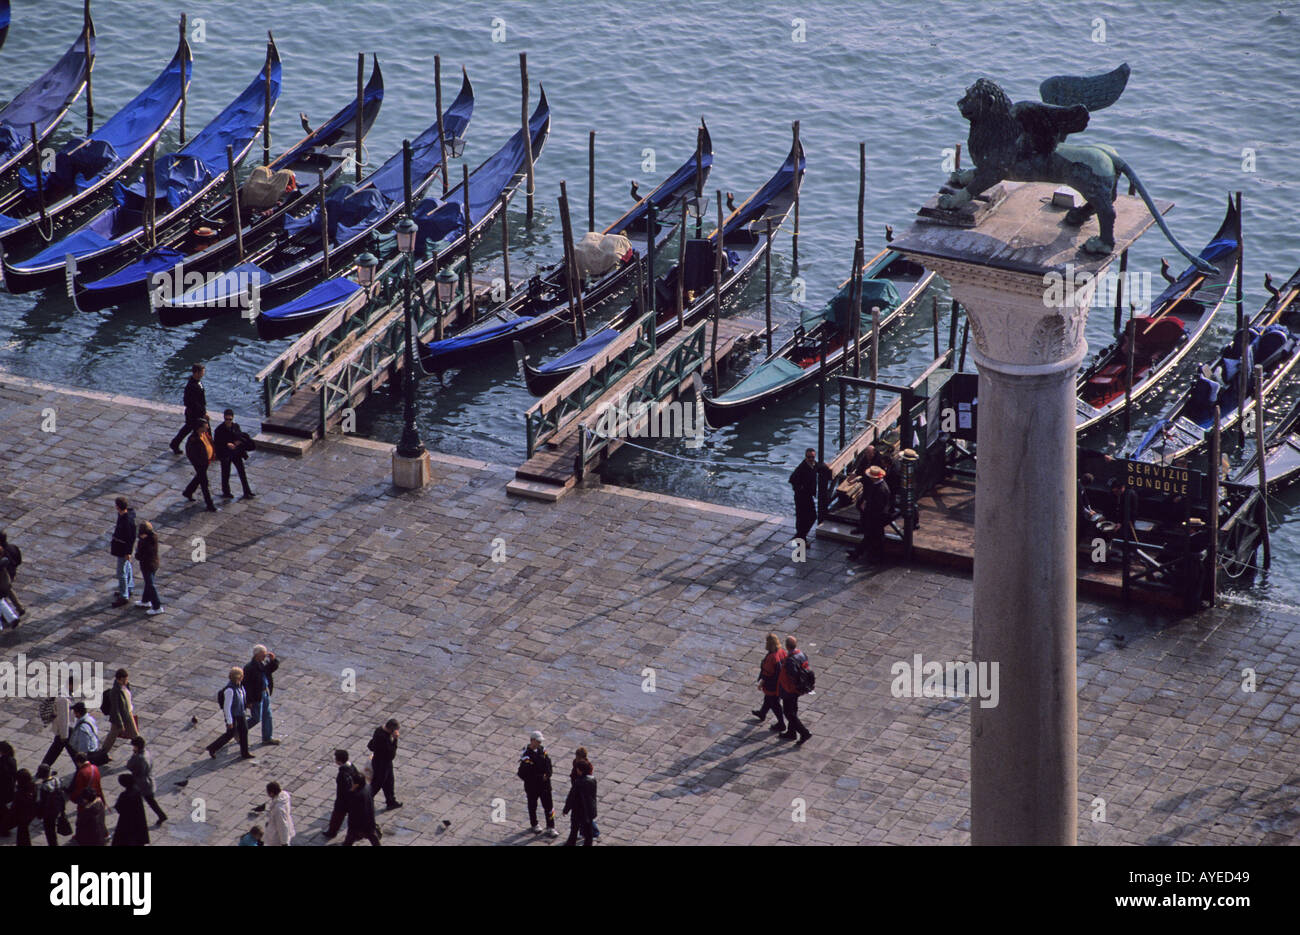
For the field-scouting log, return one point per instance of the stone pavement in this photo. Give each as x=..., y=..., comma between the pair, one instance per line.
x=340, y=574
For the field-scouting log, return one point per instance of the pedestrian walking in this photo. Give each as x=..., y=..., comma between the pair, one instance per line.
x=56, y=712
x=535, y=770
x=234, y=703
x=580, y=804
x=796, y=679
x=259, y=682
x=769, y=676
x=8, y=782
x=233, y=445
x=580, y=756
x=121, y=713
x=120, y=548
x=146, y=553
x=198, y=448
x=141, y=767
x=252, y=838
x=361, y=816
x=348, y=776
x=805, y=480
x=874, y=506
x=92, y=829
x=86, y=778
x=10, y=558
x=132, y=828
x=51, y=805
x=195, y=399
x=279, y=817
x=384, y=746
x=83, y=737
x=24, y=807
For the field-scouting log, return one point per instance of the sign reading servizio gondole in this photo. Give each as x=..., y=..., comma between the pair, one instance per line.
x=1162, y=479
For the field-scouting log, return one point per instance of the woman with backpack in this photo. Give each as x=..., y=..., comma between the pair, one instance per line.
x=51, y=802
x=146, y=553
x=769, y=674
x=581, y=804
x=796, y=679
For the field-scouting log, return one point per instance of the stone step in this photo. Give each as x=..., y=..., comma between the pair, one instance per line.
x=283, y=444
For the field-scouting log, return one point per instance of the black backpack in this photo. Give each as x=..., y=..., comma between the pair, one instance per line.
x=106, y=702
x=805, y=680
x=221, y=698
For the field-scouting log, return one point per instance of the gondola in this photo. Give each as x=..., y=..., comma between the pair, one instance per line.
x=194, y=249
x=4, y=21
x=744, y=244
x=84, y=168
x=442, y=230
x=890, y=282
x=288, y=265
x=45, y=101
x=1177, y=319
x=1271, y=342
x=182, y=180
x=1281, y=455
x=544, y=304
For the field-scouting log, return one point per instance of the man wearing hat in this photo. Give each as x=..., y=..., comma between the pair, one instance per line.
x=535, y=771
x=873, y=514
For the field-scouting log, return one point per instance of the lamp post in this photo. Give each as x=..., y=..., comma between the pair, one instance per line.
x=444, y=289
x=410, y=460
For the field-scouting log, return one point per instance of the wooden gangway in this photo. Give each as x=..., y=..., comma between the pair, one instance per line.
x=563, y=427
x=355, y=349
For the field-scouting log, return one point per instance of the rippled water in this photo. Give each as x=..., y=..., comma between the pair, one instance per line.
x=1204, y=88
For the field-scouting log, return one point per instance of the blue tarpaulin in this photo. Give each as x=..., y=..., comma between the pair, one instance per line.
x=81, y=166
x=321, y=299
x=158, y=260
x=44, y=99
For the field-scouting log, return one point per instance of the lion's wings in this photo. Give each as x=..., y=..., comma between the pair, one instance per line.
x=1093, y=91
x=1043, y=126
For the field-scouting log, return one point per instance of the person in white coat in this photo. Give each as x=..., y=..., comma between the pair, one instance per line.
x=279, y=817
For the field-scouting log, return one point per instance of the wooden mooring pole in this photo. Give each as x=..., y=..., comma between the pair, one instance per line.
x=324, y=222
x=681, y=269
x=184, y=83
x=1119, y=291
x=266, y=103
x=442, y=135
x=90, y=71
x=505, y=243
x=575, y=278
x=591, y=180
x=1263, y=470
x=528, y=135
x=767, y=287
x=469, y=244
x=717, y=300
x=234, y=202
x=794, y=238
x=1212, y=520
x=361, y=103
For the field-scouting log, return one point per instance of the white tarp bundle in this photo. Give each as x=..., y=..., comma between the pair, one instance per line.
x=597, y=254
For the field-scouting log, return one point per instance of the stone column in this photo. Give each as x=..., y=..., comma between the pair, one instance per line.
x=1024, y=776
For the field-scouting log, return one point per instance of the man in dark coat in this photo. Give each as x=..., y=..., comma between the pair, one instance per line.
x=535, y=771
x=804, y=479
x=196, y=406
x=132, y=826
x=196, y=449
x=231, y=449
x=384, y=746
x=361, y=815
x=348, y=777
x=10, y=558
x=259, y=683
x=120, y=548
x=873, y=514
x=581, y=805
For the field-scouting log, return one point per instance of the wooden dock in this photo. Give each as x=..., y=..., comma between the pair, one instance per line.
x=562, y=453
x=341, y=360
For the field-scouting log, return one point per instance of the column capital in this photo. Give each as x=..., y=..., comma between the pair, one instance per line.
x=1023, y=323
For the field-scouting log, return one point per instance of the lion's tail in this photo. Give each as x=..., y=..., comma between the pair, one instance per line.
x=1202, y=265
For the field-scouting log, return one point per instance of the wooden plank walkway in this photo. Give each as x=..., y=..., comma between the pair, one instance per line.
x=298, y=416
x=552, y=469
x=945, y=537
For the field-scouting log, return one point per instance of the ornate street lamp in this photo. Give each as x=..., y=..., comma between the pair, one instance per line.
x=366, y=265
x=410, y=446
x=444, y=289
